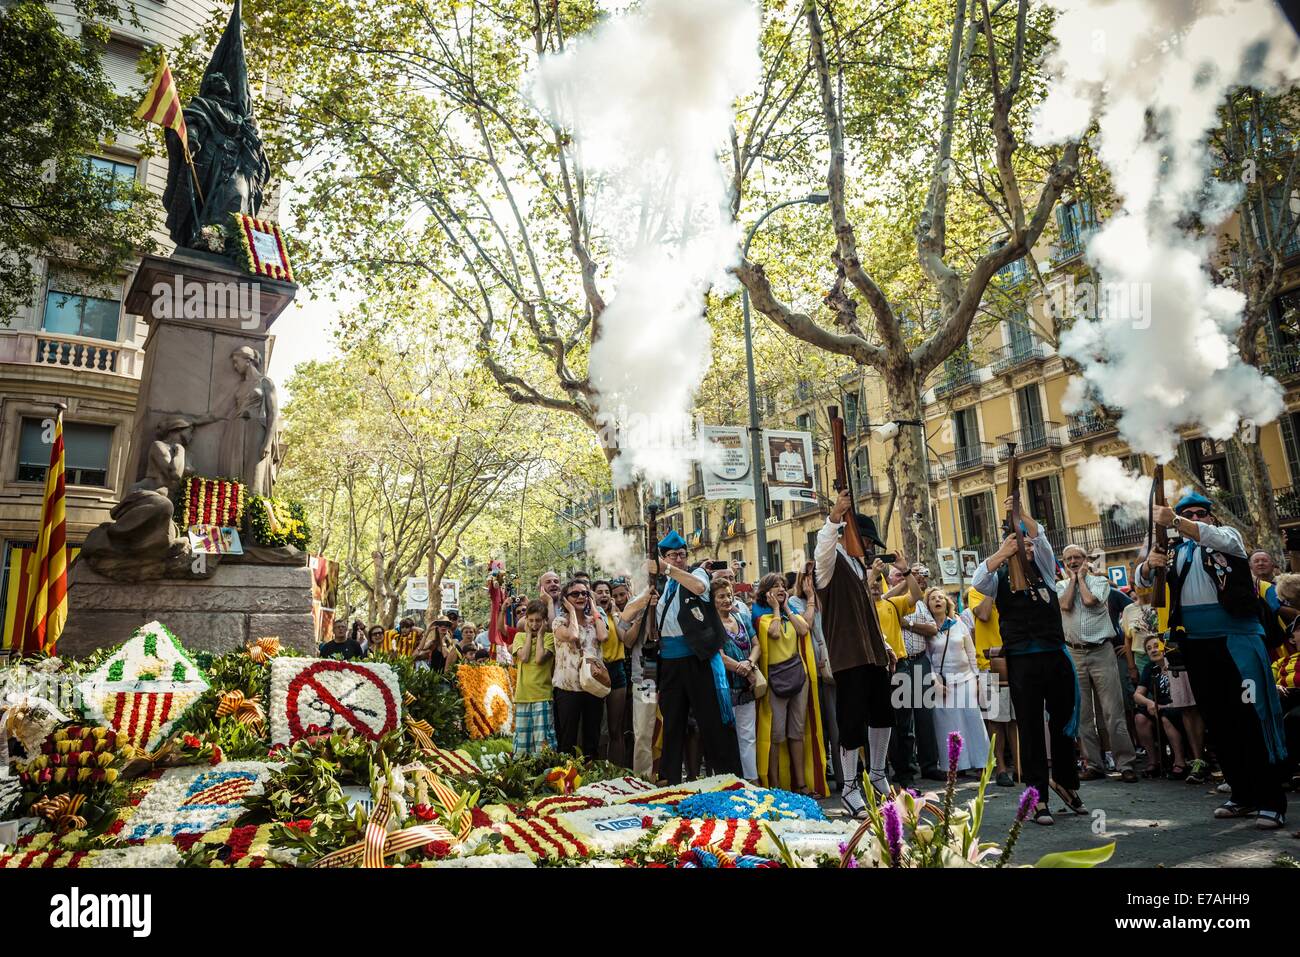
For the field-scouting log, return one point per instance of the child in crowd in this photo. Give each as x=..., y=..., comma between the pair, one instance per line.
x=1160, y=696
x=534, y=651
x=1286, y=674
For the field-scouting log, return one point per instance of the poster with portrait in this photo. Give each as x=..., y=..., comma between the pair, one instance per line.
x=949, y=567
x=324, y=594
x=725, y=467
x=788, y=462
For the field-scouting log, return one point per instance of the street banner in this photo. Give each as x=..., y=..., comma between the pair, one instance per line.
x=725, y=467
x=970, y=560
x=788, y=462
x=415, y=596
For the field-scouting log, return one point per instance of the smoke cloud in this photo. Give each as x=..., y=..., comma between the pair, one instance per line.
x=615, y=553
x=1153, y=73
x=648, y=95
x=1106, y=483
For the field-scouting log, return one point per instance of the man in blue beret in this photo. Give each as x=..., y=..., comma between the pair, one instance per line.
x=1214, y=623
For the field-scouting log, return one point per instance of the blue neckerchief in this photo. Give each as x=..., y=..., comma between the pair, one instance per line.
x=758, y=611
x=947, y=624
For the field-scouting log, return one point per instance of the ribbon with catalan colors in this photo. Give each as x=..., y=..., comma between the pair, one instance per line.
x=61, y=811
x=264, y=649
x=378, y=844
x=421, y=731
x=246, y=711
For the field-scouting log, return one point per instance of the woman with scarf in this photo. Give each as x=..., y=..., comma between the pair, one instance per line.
x=952, y=657
x=790, y=711
x=740, y=656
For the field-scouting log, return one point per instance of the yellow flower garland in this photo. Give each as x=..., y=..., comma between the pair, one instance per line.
x=485, y=689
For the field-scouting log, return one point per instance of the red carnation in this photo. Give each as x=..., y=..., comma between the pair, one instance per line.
x=423, y=812
x=191, y=741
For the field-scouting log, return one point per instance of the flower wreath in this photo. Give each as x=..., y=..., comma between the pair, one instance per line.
x=275, y=522
x=752, y=803
x=245, y=226
x=211, y=501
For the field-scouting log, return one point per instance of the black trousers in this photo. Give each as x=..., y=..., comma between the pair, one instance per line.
x=1044, y=680
x=826, y=690
x=686, y=688
x=861, y=702
x=914, y=748
x=1233, y=723
x=574, y=710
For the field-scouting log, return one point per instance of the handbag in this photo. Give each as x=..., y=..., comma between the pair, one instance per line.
x=760, y=685
x=593, y=677
x=787, y=677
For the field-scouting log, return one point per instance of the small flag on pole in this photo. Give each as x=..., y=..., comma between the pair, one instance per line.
x=162, y=104
x=49, y=570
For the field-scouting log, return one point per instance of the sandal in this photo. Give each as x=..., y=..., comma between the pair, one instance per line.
x=1229, y=809
x=1270, y=820
x=1178, y=772
x=1043, y=815
x=1072, y=801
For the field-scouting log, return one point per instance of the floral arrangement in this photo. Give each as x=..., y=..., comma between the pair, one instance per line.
x=192, y=800
x=538, y=837
x=275, y=522
x=755, y=803
x=486, y=690
x=150, y=856
x=67, y=781
x=672, y=796
x=144, y=688
x=246, y=846
x=245, y=227
x=627, y=786
x=329, y=694
x=737, y=835
x=208, y=501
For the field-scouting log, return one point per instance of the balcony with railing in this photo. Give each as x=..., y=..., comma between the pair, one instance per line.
x=1014, y=272
x=1108, y=534
x=801, y=507
x=977, y=455
x=1282, y=363
x=695, y=490
x=1018, y=354
x=1039, y=437
x=957, y=379
x=38, y=347
x=1288, y=502
x=1081, y=425
x=576, y=547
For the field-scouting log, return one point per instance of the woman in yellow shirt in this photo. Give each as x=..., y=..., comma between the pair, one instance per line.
x=787, y=713
x=614, y=654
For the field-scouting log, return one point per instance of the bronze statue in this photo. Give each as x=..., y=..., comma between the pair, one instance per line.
x=230, y=164
x=250, y=446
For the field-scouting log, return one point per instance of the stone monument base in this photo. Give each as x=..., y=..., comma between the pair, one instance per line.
x=238, y=604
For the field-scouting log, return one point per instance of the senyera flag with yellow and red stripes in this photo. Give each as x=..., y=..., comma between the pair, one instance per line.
x=48, y=612
x=162, y=104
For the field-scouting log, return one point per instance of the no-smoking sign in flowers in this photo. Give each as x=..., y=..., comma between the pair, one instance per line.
x=340, y=695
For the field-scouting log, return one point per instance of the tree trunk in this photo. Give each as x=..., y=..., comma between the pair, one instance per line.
x=909, y=465
x=377, y=580
x=1257, y=490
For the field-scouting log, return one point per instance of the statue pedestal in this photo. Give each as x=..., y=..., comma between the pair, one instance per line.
x=238, y=604
x=200, y=308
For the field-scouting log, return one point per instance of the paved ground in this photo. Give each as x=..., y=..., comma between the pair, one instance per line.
x=1153, y=824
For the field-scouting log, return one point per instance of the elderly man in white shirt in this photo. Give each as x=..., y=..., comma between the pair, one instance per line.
x=1085, y=618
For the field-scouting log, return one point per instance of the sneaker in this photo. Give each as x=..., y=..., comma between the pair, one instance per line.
x=1091, y=774
x=853, y=802
x=1109, y=760
x=1270, y=820
x=1224, y=788
x=1197, y=772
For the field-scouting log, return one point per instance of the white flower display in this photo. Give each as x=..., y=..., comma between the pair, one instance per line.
x=485, y=860
x=307, y=693
x=196, y=799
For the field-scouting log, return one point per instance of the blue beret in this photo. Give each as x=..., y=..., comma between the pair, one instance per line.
x=671, y=541
x=1193, y=499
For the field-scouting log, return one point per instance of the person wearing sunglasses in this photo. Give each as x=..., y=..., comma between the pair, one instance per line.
x=1214, y=622
x=579, y=630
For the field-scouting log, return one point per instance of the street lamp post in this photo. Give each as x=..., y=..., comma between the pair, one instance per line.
x=755, y=429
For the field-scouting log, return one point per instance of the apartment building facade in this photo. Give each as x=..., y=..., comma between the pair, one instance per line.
x=75, y=343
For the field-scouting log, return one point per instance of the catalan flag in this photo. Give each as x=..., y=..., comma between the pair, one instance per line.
x=48, y=611
x=162, y=104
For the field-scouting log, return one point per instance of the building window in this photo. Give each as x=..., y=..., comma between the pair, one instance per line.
x=803, y=422
x=861, y=471
x=810, y=545
x=965, y=429
x=851, y=413
x=72, y=313
x=85, y=452
x=117, y=177
x=978, y=522
x=775, y=562
x=1045, y=502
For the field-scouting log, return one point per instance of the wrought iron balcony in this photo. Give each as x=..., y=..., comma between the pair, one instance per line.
x=1283, y=363
x=978, y=455
x=957, y=380
x=1288, y=502
x=1033, y=438
x=1018, y=354
x=1083, y=424
x=695, y=490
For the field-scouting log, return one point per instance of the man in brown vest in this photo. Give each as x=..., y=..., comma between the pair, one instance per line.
x=860, y=659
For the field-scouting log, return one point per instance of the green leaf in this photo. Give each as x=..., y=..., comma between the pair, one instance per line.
x=1088, y=857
